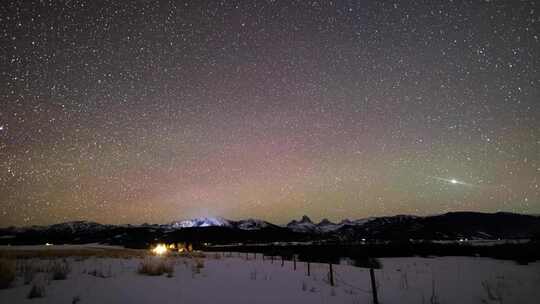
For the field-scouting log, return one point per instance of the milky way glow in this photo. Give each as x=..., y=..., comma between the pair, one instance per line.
x=153, y=111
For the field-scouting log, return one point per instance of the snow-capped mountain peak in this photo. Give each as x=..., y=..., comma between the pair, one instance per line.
x=248, y=224
x=202, y=222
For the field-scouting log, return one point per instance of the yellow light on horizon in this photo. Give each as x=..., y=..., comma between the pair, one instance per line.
x=160, y=249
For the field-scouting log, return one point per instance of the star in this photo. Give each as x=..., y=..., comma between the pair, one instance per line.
x=185, y=108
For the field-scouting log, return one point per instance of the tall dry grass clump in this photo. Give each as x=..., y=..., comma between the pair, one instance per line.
x=36, y=291
x=197, y=266
x=7, y=272
x=156, y=267
x=59, y=270
x=28, y=270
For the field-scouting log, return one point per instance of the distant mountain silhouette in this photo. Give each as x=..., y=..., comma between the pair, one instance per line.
x=448, y=226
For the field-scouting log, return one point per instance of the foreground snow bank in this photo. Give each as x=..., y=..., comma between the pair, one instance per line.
x=222, y=278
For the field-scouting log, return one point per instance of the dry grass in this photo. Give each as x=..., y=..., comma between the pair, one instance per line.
x=198, y=266
x=156, y=267
x=100, y=273
x=28, y=270
x=59, y=270
x=37, y=291
x=191, y=254
x=7, y=272
x=80, y=253
x=493, y=291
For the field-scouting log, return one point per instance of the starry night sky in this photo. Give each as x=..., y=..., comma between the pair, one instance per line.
x=152, y=111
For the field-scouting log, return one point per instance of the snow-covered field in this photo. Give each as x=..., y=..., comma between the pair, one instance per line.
x=225, y=278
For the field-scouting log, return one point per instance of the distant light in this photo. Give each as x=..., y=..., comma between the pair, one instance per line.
x=48, y=244
x=453, y=181
x=160, y=249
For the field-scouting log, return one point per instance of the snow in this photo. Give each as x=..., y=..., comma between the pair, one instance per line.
x=248, y=224
x=201, y=222
x=230, y=278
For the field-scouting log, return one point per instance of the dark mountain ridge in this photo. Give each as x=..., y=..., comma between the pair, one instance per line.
x=448, y=226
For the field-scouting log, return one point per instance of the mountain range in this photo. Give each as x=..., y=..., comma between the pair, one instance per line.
x=448, y=226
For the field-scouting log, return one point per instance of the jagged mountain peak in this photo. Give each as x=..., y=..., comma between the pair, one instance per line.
x=325, y=222
x=305, y=219
x=304, y=225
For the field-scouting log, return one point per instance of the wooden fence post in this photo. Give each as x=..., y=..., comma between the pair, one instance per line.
x=373, y=286
x=331, y=275
x=308, y=270
x=282, y=261
x=294, y=262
